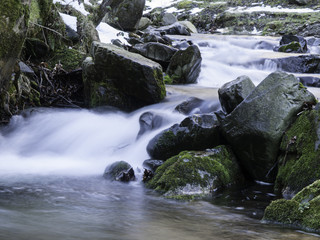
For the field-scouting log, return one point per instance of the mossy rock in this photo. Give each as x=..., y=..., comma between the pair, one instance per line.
x=193, y=174
x=70, y=59
x=299, y=163
x=293, y=47
x=302, y=211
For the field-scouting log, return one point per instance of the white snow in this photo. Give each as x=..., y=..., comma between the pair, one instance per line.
x=269, y=9
x=107, y=33
x=71, y=21
x=196, y=10
x=151, y=4
x=75, y=4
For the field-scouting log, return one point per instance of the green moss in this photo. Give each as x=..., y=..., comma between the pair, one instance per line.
x=193, y=174
x=291, y=47
x=299, y=163
x=70, y=59
x=185, y=4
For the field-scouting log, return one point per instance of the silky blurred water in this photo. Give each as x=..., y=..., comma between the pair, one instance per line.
x=52, y=161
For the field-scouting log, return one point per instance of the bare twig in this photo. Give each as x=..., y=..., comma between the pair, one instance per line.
x=49, y=30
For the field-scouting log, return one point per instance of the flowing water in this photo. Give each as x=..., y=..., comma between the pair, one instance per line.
x=52, y=161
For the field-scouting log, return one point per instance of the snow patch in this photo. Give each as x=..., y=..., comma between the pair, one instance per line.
x=71, y=21
x=269, y=9
x=75, y=4
x=107, y=33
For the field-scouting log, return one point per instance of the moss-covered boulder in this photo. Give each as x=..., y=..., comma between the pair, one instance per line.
x=299, y=163
x=185, y=65
x=196, y=174
x=135, y=80
x=301, y=211
x=255, y=127
x=69, y=58
x=119, y=171
x=197, y=132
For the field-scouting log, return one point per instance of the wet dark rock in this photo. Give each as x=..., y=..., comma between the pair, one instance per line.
x=124, y=14
x=174, y=29
x=299, y=2
x=233, y=93
x=183, y=44
x=152, y=37
x=310, y=81
x=313, y=41
x=72, y=34
x=152, y=164
x=300, y=64
x=119, y=171
x=36, y=49
x=157, y=52
x=149, y=121
x=254, y=128
x=195, y=105
x=185, y=65
x=196, y=132
x=294, y=44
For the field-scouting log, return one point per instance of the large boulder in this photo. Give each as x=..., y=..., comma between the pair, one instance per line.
x=254, y=128
x=157, y=52
x=299, y=64
x=133, y=79
x=301, y=211
x=185, y=65
x=197, y=132
x=197, y=174
x=233, y=93
x=300, y=153
x=124, y=15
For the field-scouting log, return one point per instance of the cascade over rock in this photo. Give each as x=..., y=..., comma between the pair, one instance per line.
x=254, y=128
x=120, y=78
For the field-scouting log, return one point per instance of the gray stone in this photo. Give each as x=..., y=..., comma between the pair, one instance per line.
x=174, y=29
x=149, y=121
x=168, y=19
x=155, y=51
x=190, y=27
x=125, y=14
x=185, y=65
x=144, y=23
x=254, y=128
x=233, y=93
x=197, y=132
x=299, y=2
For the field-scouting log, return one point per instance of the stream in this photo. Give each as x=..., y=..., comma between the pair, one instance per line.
x=52, y=161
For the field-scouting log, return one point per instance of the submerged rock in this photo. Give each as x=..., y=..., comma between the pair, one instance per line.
x=196, y=132
x=233, y=93
x=197, y=174
x=149, y=121
x=194, y=105
x=254, y=129
x=185, y=65
x=119, y=171
x=303, y=210
x=299, y=154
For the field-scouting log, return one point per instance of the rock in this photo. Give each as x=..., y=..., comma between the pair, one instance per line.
x=182, y=45
x=72, y=34
x=174, y=29
x=119, y=171
x=299, y=2
x=125, y=14
x=153, y=37
x=254, y=128
x=36, y=49
x=197, y=174
x=190, y=27
x=185, y=65
x=264, y=45
x=302, y=211
x=294, y=44
x=88, y=33
x=144, y=23
x=233, y=93
x=300, y=64
x=168, y=19
x=152, y=164
x=69, y=58
x=195, y=105
x=313, y=41
x=157, y=52
x=299, y=154
x=135, y=80
x=149, y=121
x=310, y=81
x=197, y=132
